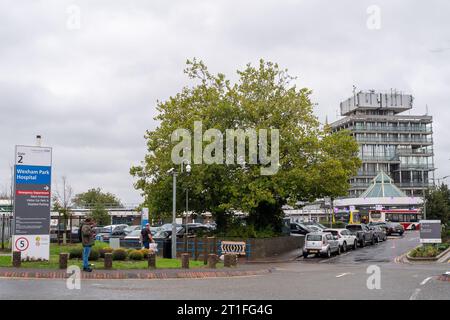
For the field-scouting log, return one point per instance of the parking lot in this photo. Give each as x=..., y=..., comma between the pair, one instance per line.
x=383, y=252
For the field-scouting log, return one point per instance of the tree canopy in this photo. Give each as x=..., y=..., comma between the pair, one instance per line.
x=94, y=197
x=438, y=203
x=313, y=161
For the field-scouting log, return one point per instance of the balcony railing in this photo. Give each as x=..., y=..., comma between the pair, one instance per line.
x=413, y=184
x=412, y=152
x=385, y=140
x=392, y=129
x=393, y=158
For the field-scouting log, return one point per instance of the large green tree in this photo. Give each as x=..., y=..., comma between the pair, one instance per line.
x=313, y=161
x=438, y=203
x=94, y=197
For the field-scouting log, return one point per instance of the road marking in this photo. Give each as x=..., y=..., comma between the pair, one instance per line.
x=342, y=274
x=425, y=281
x=415, y=294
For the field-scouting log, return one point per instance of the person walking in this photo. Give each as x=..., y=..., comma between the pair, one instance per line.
x=146, y=235
x=88, y=240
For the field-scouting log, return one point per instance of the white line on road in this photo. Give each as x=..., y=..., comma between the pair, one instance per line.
x=415, y=294
x=342, y=274
x=425, y=281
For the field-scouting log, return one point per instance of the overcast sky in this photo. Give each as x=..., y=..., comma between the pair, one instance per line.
x=89, y=86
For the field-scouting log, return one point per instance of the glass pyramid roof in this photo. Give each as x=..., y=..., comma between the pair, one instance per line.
x=382, y=186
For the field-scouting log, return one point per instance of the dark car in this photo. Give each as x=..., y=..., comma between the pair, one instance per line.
x=393, y=228
x=362, y=232
x=298, y=228
x=390, y=227
x=379, y=233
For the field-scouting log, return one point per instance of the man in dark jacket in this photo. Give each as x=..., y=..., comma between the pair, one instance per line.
x=146, y=235
x=88, y=240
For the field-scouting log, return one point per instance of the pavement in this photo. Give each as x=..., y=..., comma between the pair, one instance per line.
x=371, y=273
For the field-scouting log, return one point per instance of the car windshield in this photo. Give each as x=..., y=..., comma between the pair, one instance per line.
x=354, y=228
x=314, y=237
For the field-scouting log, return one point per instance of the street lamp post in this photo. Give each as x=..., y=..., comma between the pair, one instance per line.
x=173, y=172
x=174, y=214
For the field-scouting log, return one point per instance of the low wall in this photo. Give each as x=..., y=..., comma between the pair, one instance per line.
x=270, y=247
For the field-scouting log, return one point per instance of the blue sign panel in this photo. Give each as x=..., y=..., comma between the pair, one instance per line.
x=33, y=175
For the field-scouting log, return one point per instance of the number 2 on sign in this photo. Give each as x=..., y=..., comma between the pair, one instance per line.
x=20, y=159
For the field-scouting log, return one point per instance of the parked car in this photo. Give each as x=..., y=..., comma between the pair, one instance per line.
x=321, y=243
x=316, y=225
x=379, y=233
x=298, y=228
x=166, y=234
x=390, y=227
x=345, y=237
x=362, y=232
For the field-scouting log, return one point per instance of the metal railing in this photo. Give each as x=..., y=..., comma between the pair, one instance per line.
x=392, y=129
x=386, y=140
x=381, y=158
x=5, y=230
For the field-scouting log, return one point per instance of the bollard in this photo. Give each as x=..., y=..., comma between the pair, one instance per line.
x=152, y=260
x=234, y=260
x=227, y=260
x=212, y=261
x=108, y=260
x=63, y=259
x=185, y=260
x=17, y=259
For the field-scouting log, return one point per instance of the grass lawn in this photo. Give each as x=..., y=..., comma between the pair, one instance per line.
x=55, y=250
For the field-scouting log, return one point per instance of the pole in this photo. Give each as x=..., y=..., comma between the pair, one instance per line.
x=3, y=231
x=187, y=210
x=174, y=216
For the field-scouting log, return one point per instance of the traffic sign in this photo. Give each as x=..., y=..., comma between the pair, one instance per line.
x=430, y=231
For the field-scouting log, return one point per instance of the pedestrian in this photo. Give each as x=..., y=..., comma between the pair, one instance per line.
x=146, y=236
x=88, y=240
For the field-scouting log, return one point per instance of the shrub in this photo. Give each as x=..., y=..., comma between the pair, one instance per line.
x=119, y=254
x=136, y=255
x=76, y=253
x=104, y=250
x=145, y=253
x=94, y=255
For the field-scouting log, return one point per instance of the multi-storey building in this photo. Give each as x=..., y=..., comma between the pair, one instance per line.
x=390, y=141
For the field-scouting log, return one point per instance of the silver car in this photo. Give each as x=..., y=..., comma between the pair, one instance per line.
x=321, y=243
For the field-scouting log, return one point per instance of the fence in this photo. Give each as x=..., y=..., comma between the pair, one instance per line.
x=198, y=247
x=5, y=230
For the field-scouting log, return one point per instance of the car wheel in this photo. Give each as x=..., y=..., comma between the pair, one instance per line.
x=328, y=253
x=373, y=241
x=362, y=243
x=305, y=255
x=339, y=250
x=344, y=246
x=355, y=245
x=413, y=227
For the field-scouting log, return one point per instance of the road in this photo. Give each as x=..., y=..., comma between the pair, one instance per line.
x=341, y=277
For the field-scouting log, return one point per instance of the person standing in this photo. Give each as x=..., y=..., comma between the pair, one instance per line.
x=146, y=235
x=88, y=240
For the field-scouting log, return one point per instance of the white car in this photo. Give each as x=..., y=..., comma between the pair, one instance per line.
x=345, y=238
x=321, y=243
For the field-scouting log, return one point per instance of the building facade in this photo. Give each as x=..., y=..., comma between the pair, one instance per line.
x=389, y=140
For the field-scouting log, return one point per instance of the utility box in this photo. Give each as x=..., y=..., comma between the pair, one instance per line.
x=114, y=243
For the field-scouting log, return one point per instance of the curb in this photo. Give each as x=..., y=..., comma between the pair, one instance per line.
x=120, y=275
